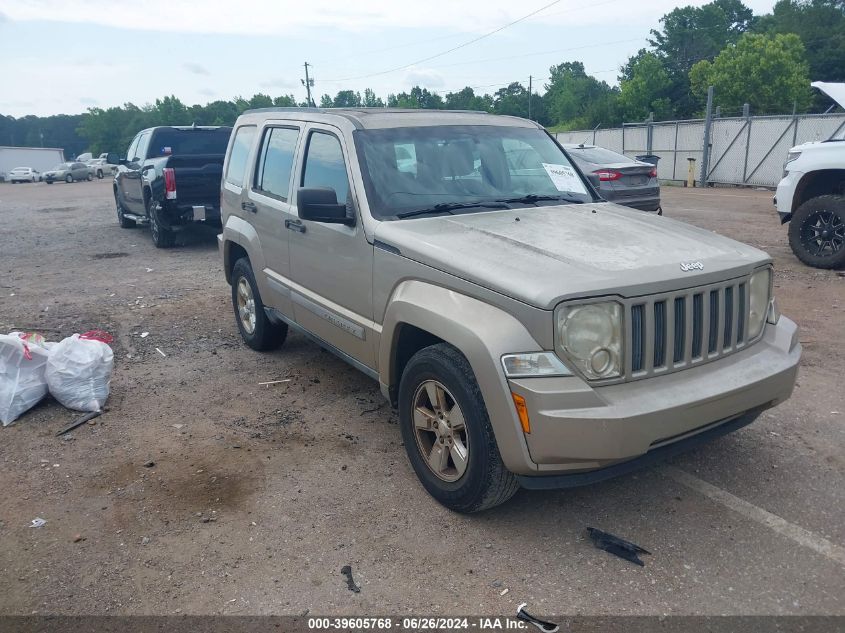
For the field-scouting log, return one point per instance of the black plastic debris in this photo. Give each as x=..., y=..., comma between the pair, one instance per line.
x=346, y=570
x=546, y=627
x=617, y=546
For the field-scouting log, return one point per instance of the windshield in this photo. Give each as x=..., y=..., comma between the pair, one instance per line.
x=61, y=167
x=598, y=155
x=173, y=141
x=411, y=169
x=20, y=169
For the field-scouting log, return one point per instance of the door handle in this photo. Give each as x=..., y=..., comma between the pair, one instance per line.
x=249, y=206
x=295, y=225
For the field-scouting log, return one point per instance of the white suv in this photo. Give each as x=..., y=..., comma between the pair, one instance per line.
x=812, y=195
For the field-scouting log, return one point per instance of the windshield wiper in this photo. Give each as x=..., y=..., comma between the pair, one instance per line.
x=533, y=197
x=448, y=207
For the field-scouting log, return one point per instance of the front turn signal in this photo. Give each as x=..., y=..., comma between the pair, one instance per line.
x=521, y=411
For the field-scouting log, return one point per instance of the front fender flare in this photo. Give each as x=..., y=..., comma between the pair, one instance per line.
x=483, y=334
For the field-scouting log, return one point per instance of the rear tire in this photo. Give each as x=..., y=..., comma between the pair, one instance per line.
x=100, y=174
x=817, y=232
x=89, y=177
x=68, y=179
x=479, y=480
x=256, y=329
x=162, y=236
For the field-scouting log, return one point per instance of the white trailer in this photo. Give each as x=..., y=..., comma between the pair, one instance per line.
x=39, y=158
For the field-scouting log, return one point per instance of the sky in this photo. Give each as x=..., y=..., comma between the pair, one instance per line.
x=65, y=56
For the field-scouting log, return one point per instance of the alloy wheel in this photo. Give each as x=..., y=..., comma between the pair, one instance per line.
x=440, y=431
x=246, y=306
x=823, y=234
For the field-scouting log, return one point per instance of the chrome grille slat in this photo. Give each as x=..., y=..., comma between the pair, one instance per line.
x=675, y=330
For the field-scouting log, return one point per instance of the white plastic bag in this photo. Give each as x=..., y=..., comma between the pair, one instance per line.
x=79, y=370
x=22, y=376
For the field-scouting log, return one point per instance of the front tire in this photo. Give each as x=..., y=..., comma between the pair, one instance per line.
x=256, y=329
x=162, y=236
x=817, y=232
x=68, y=179
x=447, y=432
x=89, y=178
x=100, y=174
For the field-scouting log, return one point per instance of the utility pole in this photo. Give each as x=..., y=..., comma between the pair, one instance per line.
x=530, y=78
x=308, y=82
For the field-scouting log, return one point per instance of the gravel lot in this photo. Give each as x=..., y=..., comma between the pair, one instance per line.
x=259, y=494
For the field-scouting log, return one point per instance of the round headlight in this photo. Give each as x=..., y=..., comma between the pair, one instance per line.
x=591, y=336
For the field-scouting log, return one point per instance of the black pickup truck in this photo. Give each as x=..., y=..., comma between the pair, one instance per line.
x=170, y=178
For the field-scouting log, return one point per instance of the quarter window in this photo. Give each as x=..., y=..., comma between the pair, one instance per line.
x=239, y=154
x=276, y=162
x=324, y=165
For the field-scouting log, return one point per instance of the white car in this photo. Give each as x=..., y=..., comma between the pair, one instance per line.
x=811, y=196
x=23, y=174
x=100, y=167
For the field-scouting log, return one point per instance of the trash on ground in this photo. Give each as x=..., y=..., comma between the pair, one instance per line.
x=274, y=382
x=346, y=570
x=504, y=591
x=617, y=546
x=149, y=464
x=79, y=370
x=23, y=362
x=144, y=334
x=88, y=417
x=162, y=353
x=546, y=627
x=38, y=522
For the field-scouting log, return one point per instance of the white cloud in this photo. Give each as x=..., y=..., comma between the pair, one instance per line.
x=279, y=83
x=425, y=78
x=276, y=17
x=194, y=68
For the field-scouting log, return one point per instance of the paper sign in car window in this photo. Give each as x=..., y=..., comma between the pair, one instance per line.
x=564, y=178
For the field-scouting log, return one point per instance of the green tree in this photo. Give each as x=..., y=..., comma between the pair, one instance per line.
x=646, y=89
x=285, y=101
x=371, y=100
x=326, y=101
x=417, y=98
x=821, y=26
x=768, y=72
x=575, y=99
x=466, y=99
x=347, y=99
x=691, y=34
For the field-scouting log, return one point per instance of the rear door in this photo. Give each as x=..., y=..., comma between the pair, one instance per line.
x=331, y=265
x=268, y=200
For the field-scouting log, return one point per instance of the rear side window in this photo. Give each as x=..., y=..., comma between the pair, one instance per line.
x=324, y=165
x=275, y=162
x=240, y=152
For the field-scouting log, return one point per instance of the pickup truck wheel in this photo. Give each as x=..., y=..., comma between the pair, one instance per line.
x=100, y=174
x=447, y=433
x=125, y=223
x=162, y=237
x=68, y=179
x=257, y=331
x=817, y=232
x=89, y=177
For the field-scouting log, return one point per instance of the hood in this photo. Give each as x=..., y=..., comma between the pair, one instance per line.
x=834, y=91
x=544, y=255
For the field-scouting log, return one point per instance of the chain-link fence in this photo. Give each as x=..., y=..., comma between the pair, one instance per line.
x=743, y=150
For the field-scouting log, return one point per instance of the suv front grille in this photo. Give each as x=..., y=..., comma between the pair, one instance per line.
x=677, y=330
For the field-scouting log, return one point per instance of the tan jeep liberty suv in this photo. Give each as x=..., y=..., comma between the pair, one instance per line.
x=530, y=333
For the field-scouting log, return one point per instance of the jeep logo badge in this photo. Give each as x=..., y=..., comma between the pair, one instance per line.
x=688, y=266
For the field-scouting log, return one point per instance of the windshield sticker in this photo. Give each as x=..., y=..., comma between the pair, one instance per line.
x=564, y=178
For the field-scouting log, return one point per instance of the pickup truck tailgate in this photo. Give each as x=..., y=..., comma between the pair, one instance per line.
x=197, y=179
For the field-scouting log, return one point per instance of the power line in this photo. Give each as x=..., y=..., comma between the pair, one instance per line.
x=451, y=50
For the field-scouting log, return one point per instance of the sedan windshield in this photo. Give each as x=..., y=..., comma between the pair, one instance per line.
x=411, y=171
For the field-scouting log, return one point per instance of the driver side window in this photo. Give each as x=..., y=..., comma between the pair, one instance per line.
x=133, y=148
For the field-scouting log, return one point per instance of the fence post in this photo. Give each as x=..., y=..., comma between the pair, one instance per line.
x=746, y=112
x=708, y=123
x=649, y=137
x=675, y=152
x=795, y=123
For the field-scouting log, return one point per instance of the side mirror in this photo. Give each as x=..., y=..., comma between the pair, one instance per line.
x=112, y=158
x=319, y=204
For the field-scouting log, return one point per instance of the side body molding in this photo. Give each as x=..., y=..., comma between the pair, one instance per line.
x=483, y=333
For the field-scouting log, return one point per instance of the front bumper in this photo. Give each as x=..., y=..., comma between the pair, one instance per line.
x=785, y=194
x=577, y=428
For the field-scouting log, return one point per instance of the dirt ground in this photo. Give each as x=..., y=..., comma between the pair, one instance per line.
x=259, y=494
